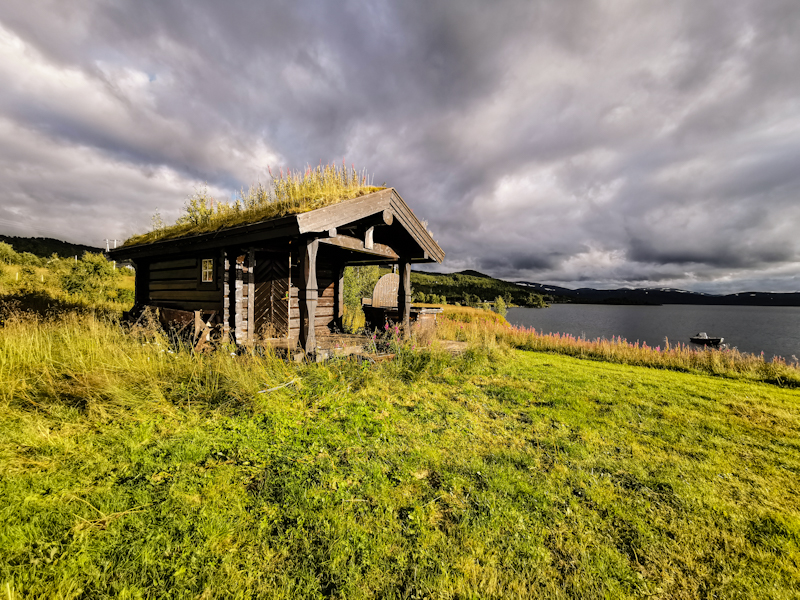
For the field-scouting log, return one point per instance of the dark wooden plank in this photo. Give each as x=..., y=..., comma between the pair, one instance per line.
x=191, y=295
x=182, y=263
x=176, y=274
x=186, y=305
x=174, y=284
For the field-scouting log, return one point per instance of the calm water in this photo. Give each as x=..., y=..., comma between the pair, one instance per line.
x=773, y=330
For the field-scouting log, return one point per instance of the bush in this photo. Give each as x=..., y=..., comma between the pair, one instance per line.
x=92, y=277
x=29, y=259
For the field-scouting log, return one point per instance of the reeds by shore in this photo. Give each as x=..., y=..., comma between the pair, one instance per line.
x=485, y=328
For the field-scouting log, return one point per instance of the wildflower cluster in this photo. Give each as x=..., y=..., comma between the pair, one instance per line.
x=387, y=341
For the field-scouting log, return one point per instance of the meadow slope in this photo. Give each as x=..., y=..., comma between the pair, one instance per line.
x=132, y=469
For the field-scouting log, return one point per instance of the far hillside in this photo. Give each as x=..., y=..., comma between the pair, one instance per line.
x=470, y=288
x=44, y=247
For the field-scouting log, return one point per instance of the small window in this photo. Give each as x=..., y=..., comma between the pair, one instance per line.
x=208, y=270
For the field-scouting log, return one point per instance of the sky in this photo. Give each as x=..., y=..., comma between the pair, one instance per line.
x=603, y=143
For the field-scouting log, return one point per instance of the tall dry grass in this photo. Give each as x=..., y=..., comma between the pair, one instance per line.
x=288, y=192
x=100, y=367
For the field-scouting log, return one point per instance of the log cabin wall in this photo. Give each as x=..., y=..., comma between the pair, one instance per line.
x=177, y=283
x=327, y=275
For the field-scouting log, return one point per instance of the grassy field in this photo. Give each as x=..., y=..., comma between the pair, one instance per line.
x=131, y=469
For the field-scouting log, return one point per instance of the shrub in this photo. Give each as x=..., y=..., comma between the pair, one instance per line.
x=92, y=277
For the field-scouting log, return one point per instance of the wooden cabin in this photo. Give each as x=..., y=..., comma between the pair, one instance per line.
x=282, y=278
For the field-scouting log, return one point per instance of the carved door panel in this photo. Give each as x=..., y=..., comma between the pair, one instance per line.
x=271, y=308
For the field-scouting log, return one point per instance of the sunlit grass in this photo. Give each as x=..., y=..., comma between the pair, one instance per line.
x=289, y=192
x=133, y=468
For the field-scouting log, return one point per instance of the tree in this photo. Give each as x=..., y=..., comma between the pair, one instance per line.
x=500, y=306
x=535, y=301
x=7, y=254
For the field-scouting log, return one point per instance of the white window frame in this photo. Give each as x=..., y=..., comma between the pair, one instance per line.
x=207, y=271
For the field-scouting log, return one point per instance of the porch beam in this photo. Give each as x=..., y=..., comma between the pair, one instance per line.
x=352, y=243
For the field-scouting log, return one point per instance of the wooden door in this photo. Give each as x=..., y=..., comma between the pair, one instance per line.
x=271, y=308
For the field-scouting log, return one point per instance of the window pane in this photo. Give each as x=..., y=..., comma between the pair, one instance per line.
x=208, y=270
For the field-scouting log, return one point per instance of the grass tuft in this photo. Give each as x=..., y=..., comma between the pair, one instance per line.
x=288, y=193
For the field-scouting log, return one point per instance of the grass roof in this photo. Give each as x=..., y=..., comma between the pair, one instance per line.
x=288, y=193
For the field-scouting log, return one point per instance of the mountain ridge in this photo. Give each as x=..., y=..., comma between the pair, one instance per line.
x=663, y=295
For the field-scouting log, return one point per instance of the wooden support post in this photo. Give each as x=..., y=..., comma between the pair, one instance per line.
x=250, y=263
x=227, y=317
x=404, y=296
x=240, y=326
x=338, y=308
x=308, y=297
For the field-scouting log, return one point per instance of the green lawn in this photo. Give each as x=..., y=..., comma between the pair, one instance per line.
x=501, y=475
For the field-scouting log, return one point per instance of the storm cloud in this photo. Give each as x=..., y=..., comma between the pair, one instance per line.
x=572, y=142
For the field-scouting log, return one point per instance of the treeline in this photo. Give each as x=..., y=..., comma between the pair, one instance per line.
x=43, y=247
x=470, y=290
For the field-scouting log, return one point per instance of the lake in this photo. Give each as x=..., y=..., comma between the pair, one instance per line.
x=775, y=330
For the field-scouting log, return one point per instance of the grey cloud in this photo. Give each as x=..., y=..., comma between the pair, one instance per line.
x=569, y=141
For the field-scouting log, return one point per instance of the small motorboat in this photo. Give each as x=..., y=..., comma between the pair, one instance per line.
x=703, y=339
